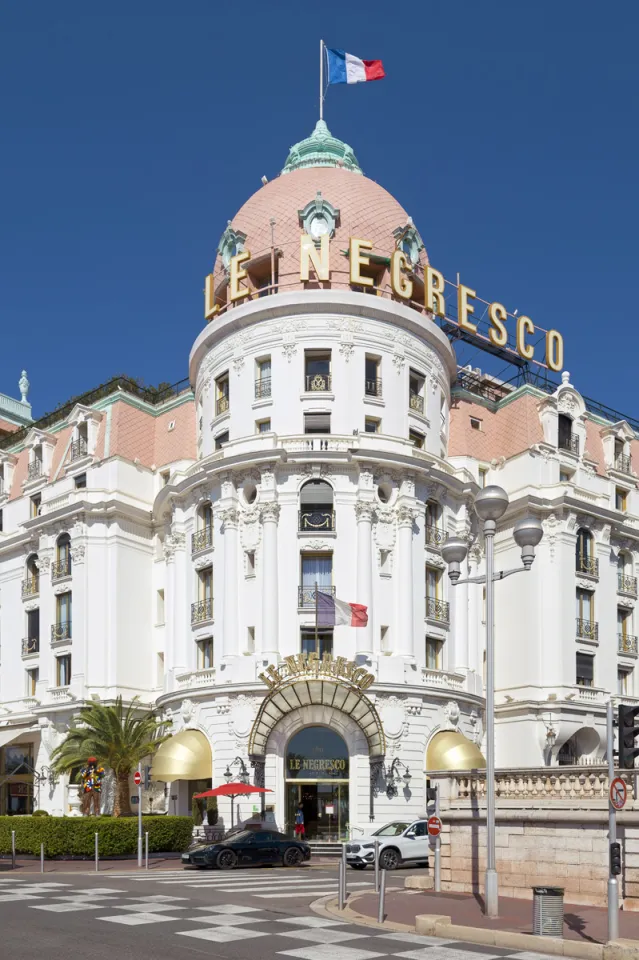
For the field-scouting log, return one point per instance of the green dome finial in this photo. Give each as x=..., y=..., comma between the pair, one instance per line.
x=321, y=149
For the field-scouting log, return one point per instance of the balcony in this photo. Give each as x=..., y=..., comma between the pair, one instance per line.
x=627, y=585
x=319, y=383
x=30, y=646
x=587, y=629
x=306, y=596
x=61, y=631
x=202, y=611
x=202, y=539
x=30, y=587
x=221, y=406
x=416, y=402
x=437, y=610
x=435, y=536
x=627, y=645
x=373, y=388
x=263, y=389
x=571, y=444
x=310, y=521
x=587, y=565
x=78, y=449
x=61, y=569
x=623, y=464
x=34, y=470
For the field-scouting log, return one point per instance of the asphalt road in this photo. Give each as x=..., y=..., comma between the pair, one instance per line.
x=261, y=913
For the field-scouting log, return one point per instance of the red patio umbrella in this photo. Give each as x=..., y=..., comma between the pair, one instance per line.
x=232, y=790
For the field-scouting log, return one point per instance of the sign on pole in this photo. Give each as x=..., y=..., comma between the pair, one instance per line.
x=137, y=778
x=618, y=793
x=434, y=826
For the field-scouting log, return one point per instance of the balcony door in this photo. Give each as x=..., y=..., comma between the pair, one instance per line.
x=317, y=570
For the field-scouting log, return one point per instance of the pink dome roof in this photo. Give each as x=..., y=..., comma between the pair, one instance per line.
x=366, y=211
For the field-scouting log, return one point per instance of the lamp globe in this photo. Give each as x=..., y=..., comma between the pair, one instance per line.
x=454, y=550
x=528, y=532
x=491, y=503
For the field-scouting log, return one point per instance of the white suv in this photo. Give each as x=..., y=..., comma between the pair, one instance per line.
x=399, y=841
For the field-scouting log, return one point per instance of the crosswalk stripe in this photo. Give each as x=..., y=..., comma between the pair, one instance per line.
x=284, y=896
x=266, y=883
x=309, y=889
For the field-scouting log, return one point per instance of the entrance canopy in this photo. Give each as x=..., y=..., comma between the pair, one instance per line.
x=185, y=756
x=450, y=750
x=9, y=734
x=330, y=693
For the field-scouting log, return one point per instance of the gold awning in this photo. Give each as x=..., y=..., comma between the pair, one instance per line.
x=185, y=756
x=450, y=750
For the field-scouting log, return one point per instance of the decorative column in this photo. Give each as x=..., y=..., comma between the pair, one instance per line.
x=230, y=519
x=405, y=611
x=364, y=512
x=270, y=513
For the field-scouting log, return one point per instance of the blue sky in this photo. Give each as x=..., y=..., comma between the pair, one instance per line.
x=130, y=133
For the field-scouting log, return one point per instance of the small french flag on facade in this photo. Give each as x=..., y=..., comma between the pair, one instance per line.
x=345, y=68
x=333, y=613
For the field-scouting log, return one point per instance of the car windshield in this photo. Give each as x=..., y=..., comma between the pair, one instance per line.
x=391, y=829
x=242, y=835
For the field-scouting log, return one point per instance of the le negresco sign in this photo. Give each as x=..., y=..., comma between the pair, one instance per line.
x=309, y=666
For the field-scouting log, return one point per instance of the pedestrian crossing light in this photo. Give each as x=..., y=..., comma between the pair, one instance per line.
x=147, y=778
x=628, y=732
x=615, y=859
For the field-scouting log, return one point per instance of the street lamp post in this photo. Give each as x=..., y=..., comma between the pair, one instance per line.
x=490, y=505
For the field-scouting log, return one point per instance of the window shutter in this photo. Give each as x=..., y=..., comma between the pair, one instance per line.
x=585, y=666
x=316, y=492
x=317, y=423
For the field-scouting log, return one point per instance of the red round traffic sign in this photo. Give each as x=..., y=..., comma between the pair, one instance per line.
x=434, y=826
x=618, y=793
x=137, y=778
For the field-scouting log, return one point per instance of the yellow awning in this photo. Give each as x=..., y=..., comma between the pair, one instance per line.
x=185, y=756
x=450, y=750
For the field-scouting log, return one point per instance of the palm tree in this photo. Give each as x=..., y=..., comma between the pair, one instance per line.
x=118, y=738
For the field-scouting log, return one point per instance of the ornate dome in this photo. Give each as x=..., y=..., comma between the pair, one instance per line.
x=321, y=190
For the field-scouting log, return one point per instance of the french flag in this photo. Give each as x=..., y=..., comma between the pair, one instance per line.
x=335, y=613
x=345, y=68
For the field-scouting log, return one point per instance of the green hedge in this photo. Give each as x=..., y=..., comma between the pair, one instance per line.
x=75, y=836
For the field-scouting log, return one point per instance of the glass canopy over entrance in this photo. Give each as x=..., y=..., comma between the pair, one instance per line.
x=317, y=772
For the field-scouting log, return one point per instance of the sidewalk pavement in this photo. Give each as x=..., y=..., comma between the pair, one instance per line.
x=581, y=923
x=168, y=861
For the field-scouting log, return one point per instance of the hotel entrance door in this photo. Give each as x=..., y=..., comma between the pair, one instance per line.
x=317, y=776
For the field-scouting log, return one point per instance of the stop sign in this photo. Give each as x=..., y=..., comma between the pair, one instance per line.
x=434, y=826
x=137, y=778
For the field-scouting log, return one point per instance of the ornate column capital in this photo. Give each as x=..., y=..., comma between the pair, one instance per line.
x=406, y=514
x=270, y=511
x=364, y=511
x=43, y=560
x=77, y=551
x=230, y=518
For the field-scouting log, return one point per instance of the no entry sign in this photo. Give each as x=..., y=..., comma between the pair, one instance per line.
x=434, y=826
x=137, y=778
x=618, y=793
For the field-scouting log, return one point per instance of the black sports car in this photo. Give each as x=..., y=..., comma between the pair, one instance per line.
x=248, y=846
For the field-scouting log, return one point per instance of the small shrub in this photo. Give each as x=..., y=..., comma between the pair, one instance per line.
x=40, y=813
x=211, y=811
x=75, y=836
x=196, y=811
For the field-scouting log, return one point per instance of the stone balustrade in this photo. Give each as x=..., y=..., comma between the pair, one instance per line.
x=580, y=784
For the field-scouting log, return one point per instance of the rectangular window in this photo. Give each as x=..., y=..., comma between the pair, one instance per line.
x=250, y=563
x=416, y=391
x=621, y=498
x=81, y=481
x=584, y=604
x=159, y=671
x=205, y=517
x=221, y=439
x=205, y=584
x=585, y=670
x=319, y=645
x=384, y=640
x=159, y=607
x=624, y=622
x=416, y=438
x=1, y=517
x=18, y=759
x=63, y=670
x=263, y=426
x=564, y=432
x=483, y=475
x=250, y=640
x=624, y=682
x=433, y=653
x=564, y=476
x=222, y=395
x=372, y=425
x=433, y=514
x=433, y=583
x=475, y=423
x=32, y=677
x=263, y=378
x=34, y=506
x=205, y=653
x=317, y=371
x=63, y=616
x=317, y=423
x=385, y=563
x=372, y=376
x=33, y=629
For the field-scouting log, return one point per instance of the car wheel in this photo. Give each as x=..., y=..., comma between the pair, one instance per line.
x=292, y=857
x=226, y=859
x=389, y=859
x=358, y=866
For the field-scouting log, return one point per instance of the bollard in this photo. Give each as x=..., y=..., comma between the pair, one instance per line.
x=41, y=858
x=340, y=885
x=344, y=868
x=146, y=848
x=97, y=855
x=377, y=866
x=382, y=897
x=13, y=849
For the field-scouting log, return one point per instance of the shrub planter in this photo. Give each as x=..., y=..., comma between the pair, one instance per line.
x=70, y=837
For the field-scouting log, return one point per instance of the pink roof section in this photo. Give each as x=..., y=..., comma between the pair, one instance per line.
x=594, y=447
x=9, y=427
x=136, y=434
x=511, y=430
x=367, y=212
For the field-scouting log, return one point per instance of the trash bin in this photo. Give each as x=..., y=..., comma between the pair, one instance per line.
x=548, y=911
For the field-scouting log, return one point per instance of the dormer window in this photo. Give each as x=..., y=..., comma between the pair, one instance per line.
x=566, y=440
x=34, y=470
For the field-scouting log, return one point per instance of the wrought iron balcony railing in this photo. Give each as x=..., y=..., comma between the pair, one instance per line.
x=31, y=587
x=627, y=584
x=61, y=569
x=318, y=382
x=570, y=443
x=416, y=402
x=61, y=631
x=627, y=644
x=78, y=449
x=314, y=520
x=34, y=469
x=373, y=388
x=623, y=464
x=263, y=388
x=30, y=645
x=202, y=611
x=202, y=539
x=306, y=595
x=435, y=536
x=587, y=629
x=437, y=610
x=221, y=405
x=587, y=565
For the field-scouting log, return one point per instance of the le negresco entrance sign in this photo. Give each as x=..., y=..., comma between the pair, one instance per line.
x=309, y=665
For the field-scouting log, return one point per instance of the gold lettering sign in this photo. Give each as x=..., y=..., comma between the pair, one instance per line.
x=309, y=665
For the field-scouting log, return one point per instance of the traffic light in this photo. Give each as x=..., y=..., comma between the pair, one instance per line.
x=615, y=859
x=147, y=778
x=628, y=733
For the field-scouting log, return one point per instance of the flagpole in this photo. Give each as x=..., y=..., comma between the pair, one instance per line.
x=316, y=639
x=321, y=79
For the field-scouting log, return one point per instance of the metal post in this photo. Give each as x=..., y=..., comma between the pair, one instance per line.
x=377, y=866
x=321, y=79
x=491, y=887
x=382, y=897
x=613, y=886
x=344, y=865
x=97, y=855
x=140, y=816
x=438, y=848
x=13, y=849
x=41, y=858
x=146, y=844
x=340, y=885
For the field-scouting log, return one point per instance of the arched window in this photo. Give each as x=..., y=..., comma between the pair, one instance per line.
x=62, y=564
x=203, y=537
x=31, y=583
x=316, y=507
x=585, y=559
